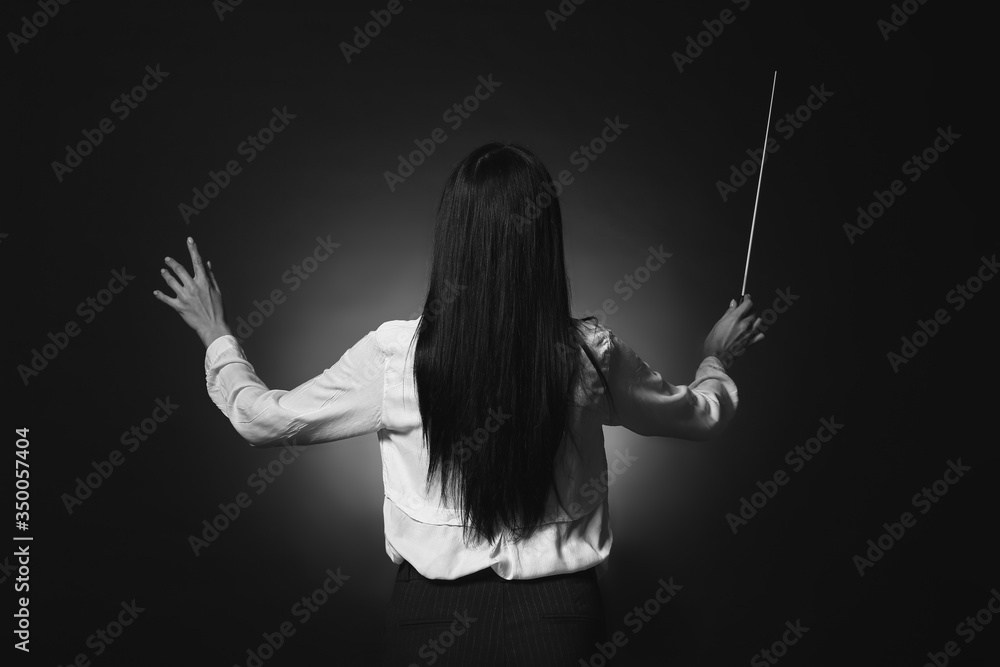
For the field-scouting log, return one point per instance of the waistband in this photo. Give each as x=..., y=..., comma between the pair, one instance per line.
x=407, y=572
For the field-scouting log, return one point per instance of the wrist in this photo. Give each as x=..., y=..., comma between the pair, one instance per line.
x=208, y=336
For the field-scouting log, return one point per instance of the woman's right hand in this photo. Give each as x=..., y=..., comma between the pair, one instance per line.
x=735, y=331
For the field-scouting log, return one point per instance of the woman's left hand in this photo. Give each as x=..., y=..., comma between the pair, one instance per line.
x=198, y=300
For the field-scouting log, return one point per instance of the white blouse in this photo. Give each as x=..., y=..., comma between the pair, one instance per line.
x=371, y=389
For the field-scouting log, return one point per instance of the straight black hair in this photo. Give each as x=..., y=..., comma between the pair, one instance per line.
x=497, y=351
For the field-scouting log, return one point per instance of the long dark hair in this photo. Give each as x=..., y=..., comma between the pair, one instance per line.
x=497, y=350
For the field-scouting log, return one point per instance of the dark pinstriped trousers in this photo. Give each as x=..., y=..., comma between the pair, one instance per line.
x=484, y=620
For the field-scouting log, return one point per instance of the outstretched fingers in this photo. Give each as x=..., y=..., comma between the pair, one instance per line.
x=171, y=281
x=179, y=269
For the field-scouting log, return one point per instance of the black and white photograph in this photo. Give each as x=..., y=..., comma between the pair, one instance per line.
x=562, y=333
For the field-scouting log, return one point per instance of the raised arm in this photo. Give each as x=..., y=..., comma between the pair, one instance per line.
x=343, y=401
x=647, y=404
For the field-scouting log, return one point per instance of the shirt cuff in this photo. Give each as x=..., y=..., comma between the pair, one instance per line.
x=712, y=369
x=713, y=362
x=218, y=347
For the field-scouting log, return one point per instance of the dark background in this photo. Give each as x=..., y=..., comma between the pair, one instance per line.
x=656, y=184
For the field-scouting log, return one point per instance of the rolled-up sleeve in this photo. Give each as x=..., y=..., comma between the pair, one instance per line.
x=647, y=404
x=343, y=401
